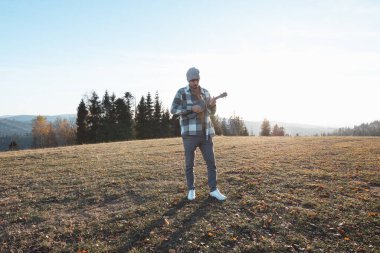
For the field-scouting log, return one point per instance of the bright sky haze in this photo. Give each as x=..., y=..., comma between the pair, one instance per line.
x=313, y=62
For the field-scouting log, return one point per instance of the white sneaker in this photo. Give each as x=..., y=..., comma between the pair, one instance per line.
x=191, y=195
x=216, y=194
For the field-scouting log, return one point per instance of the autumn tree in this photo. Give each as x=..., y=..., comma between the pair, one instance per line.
x=51, y=139
x=65, y=132
x=43, y=133
x=40, y=132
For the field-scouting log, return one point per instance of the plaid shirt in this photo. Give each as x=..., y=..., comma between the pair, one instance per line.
x=190, y=122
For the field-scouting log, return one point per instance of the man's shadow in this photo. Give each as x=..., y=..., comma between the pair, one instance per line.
x=138, y=238
x=187, y=223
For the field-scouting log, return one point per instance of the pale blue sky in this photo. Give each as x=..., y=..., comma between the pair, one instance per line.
x=315, y=62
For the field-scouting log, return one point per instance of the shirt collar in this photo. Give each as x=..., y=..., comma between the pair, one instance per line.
x=202, y=90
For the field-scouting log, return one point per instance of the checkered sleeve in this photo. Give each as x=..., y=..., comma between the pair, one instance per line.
x=179, y=106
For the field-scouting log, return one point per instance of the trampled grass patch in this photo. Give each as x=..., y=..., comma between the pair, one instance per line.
x=309, y=194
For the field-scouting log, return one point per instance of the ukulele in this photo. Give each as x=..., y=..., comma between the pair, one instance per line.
x=194, y=114
x=223, y=95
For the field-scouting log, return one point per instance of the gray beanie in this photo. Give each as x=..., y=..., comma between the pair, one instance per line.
x=192, y=73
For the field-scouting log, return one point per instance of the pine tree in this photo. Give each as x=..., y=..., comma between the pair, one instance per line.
x=128, y=99
x=233, y=126
x=123, y=129
x=157, y=128
x=265, y=128
x=108, y=127
x=149, y=130
x=141, y=120
x=129, y=117
x=121, y=115
x=106, y=104
x=175, y=126
x=94, y=119
x=166, y=128
x=275, y=130
x=278, y=131
x=82, y=130
x=105, y=127
x=281, y=131
x=112, y=118
x=244, y=130
x=225, y=127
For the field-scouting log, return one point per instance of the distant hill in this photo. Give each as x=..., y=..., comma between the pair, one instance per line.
x=254, y=127
x=51, y=118
x=19, y=128
x=11, y=130
x=12, y=127
x=22, y=124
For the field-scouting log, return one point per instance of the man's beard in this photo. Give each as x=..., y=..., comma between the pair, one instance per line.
x=195, y=88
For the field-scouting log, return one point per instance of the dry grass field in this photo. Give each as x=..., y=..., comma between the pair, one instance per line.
x=306, y=194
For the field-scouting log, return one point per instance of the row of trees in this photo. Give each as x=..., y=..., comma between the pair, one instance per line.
x=118, y=119
x=115, y=119
x=110, y=119
x=152, y=121
x=371, y=129
x=266, y=129
x=234, y=126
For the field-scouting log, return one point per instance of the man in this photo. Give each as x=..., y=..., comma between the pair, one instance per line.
x=194, y=105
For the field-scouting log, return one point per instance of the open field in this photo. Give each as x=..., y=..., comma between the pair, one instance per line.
x=316, y=194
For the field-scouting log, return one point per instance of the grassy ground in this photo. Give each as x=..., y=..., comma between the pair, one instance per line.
x=284, y=195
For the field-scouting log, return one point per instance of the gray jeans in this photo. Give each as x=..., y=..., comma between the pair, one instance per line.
x=190, y=144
